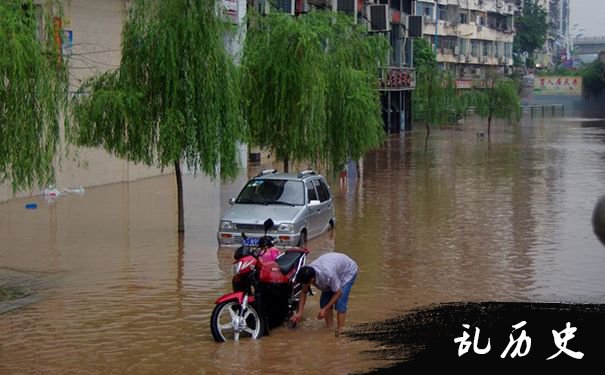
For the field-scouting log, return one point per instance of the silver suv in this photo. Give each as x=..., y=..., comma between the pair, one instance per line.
x=301, y=206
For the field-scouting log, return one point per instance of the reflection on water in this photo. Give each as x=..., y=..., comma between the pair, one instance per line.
x=117, y=290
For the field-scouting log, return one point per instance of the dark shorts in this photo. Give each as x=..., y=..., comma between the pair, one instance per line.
x=341, y=304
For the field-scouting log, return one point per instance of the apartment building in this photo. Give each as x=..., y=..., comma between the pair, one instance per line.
x=390, y=18
x=470, y=37
x=558, y=43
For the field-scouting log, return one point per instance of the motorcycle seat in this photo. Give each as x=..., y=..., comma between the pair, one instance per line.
x=288, y=260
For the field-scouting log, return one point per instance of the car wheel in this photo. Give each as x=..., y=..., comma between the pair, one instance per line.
x=302, y=241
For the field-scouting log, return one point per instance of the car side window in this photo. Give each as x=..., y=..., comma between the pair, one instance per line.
x=322, y=190
x=311, y=194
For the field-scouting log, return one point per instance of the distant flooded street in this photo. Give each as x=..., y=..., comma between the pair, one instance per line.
x=111, y=288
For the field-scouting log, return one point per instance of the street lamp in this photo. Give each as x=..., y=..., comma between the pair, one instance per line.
x=572, y=34
x=575, y=35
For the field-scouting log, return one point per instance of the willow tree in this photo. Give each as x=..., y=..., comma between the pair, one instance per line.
x=435, y=100
x=311, y=87
x=174, y=97
x=33, y=93
x=497, y=98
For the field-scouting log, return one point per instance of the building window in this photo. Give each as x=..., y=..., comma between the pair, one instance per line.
x=463, y=18
x=474, y=48
x=447, y=44
x=486, y=48
x=424, y=9
x=462, y=46
x=508, y=50
x=480, y=20
x=442, y=13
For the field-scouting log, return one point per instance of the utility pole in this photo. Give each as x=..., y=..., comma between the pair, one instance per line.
x=436, y=24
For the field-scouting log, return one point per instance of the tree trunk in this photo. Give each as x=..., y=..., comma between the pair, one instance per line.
x=426, y=139
x=286, y=164
x=179, y=188
x=489, y=126
x=180, y=264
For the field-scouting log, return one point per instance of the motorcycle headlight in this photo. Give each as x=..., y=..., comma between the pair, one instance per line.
x=236, y=267
x=285, y=227
x=226, y=225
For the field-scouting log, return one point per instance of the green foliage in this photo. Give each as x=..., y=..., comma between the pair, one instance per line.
x=593, y=78
x=33, y=92
x=311, y=86
x=499, y=98
x=175, y=95
x=531, y=28
x=424, y=56
x=435, y=99
x=561, y=71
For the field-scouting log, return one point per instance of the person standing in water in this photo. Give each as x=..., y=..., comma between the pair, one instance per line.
x=333, y=274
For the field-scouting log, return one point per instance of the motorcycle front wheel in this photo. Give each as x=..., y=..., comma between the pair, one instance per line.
x=229, y=322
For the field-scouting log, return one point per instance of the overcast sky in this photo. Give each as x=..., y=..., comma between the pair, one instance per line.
x=589, y=14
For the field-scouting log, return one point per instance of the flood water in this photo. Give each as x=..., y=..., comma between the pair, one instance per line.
x=111, y=288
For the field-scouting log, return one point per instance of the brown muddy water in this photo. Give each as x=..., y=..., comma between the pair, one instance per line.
x=108, y=287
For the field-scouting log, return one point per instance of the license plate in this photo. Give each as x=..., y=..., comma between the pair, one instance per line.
x=251, y=241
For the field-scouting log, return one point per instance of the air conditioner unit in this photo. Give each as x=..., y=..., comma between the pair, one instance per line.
x=286, y=6
x=379, y=17
x=347, y=6
x=414, y=26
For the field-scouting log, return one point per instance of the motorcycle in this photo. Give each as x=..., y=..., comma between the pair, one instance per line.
x=265, y=293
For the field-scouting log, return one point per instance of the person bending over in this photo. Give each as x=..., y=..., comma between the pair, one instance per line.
x=333, y=274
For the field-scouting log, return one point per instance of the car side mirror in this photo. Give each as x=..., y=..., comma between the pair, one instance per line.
x=314, y=203
x=232, y=201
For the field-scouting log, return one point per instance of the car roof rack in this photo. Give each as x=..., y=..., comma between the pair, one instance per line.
x=267, y=171
x=306, y=172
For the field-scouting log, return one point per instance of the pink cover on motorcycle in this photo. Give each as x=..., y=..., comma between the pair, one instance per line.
x=270, y=254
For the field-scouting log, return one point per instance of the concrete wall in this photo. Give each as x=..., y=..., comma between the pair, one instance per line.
x=97, y=29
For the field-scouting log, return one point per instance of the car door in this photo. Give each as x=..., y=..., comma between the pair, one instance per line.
x=314, y=218
x=326, y=204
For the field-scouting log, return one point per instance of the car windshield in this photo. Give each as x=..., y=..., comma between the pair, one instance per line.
x=269, y=191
